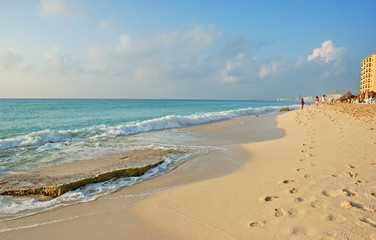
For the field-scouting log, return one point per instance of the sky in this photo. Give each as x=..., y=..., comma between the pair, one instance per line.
x=183, y=49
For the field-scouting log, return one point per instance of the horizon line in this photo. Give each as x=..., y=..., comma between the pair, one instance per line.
x=177, y=99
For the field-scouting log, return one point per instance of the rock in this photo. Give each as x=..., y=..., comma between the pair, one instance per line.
x=57, y=190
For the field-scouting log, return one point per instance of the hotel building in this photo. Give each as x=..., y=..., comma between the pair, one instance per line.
x=368, y=74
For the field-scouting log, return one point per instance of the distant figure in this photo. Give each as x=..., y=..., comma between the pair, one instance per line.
x=349, y=100
x=317, y=101
x=323, y=100
x=302, y=101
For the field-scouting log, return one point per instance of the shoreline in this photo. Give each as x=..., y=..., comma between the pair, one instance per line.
x=217, y=162
x=315, y=182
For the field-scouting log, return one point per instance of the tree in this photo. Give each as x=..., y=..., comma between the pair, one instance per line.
x=348, y=94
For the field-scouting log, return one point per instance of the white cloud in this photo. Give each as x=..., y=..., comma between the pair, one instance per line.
x=157, y=57
x=52, y=54
x=275, y=68
x=61, y=8
x=59, y=64
x=233, y=70
x=124, y=42
x=11, y=60
x=328, y=52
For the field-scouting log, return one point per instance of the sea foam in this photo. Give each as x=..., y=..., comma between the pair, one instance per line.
x=41, y=138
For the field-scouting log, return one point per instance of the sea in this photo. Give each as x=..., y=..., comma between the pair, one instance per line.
x=35, y=133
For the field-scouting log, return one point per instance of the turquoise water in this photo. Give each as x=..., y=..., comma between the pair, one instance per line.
x=22, y=117
x=37, y=133
x=34, y=133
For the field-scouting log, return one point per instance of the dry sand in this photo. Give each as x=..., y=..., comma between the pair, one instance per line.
x=316, y=182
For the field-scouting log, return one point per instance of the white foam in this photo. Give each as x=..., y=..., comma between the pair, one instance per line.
x=93, y=133
x=13, y=207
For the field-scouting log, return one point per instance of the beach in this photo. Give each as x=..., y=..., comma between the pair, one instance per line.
x=304, y=174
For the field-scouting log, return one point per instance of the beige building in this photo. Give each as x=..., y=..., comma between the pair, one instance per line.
x=368, y=74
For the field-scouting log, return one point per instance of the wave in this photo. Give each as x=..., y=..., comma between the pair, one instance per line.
x=41, y=138
x=13, y=208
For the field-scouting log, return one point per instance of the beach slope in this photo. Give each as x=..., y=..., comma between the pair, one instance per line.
x=317, y=182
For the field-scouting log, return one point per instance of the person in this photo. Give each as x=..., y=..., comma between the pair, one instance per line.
x=302, y=101
x=317, y=101
x=323, y=100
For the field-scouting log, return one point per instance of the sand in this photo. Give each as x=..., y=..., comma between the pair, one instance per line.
x=316, y=182
x=362, y=112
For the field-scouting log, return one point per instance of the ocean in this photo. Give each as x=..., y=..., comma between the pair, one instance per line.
x=36, y=133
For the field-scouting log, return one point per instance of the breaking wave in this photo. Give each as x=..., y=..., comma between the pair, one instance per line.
x=41, y=138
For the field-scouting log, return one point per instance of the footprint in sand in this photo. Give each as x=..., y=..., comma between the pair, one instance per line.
x=357, y=205
x=325, y=193
x=279, y=212
x=369, y=221
x=336, y=175
x=258, y=224
x=300, y=169
x=359, y=182
x=293, y=190
x=350, y=166
x=352, y=174
x=287, y=181
x=307, y=175
x=313, y=164
x=300, y=199
x=270, y=198
x=373, y=194
x=349, y=192
x=334, y=218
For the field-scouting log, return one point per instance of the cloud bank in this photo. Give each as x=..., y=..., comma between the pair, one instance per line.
x=198, y=62
x=160, y=56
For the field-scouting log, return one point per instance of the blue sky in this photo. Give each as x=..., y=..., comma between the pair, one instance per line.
x=183, y=49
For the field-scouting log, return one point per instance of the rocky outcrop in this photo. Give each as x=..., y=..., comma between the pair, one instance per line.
x=59, y=189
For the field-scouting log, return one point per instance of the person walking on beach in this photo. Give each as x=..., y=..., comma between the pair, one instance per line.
x=323, y=100
x=302, y=102
x=317, y=101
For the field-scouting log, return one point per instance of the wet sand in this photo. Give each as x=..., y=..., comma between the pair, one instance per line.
x=110, y=216
x=316, y=182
